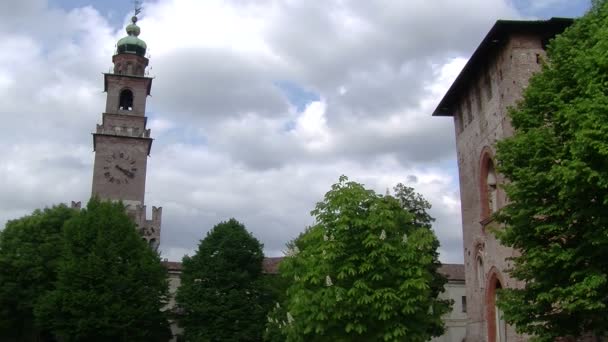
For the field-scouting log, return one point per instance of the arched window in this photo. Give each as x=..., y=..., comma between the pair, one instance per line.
x=491, y=187
x=126, y=100
x=488, y=185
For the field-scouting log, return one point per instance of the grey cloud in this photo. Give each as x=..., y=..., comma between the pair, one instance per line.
x=228, y=152
x=211, y=85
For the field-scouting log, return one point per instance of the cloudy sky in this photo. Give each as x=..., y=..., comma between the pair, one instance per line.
x=257, y=106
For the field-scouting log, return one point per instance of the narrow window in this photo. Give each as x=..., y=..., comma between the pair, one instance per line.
x=488, y=186
x=463, y=301
x=491, y=188
x=126, y=100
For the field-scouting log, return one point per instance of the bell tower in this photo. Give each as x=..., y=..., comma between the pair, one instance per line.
x=122, y=142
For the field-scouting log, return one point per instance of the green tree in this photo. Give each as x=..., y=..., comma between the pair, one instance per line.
x=29, y=250
x=418, y=206
x=363, y=272
x=557, y=164
x=111, y=286
x=221, y=293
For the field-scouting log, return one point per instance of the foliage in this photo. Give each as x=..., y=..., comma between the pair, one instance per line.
x=29, y=250
x=418, y=206
x=111, y=286
x=361, y=273
x=557, y=164
x=221, y=292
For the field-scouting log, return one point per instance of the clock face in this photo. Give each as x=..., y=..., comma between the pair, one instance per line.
x=119, y=168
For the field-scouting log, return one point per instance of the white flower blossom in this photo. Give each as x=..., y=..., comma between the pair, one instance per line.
x=290, y=318
x=197, y=280
x=382, y=235
x=325, y=238
x=293, y=251
x=331, y=238
x=404, y=240
x=328, y=281
x=296, y=277
x=278, y=305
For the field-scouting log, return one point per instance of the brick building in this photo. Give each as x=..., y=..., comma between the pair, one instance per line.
x=455, y=321
x=122, y=142
x=478, y=101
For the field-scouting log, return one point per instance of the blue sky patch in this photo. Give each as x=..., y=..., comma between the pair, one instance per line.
x=296, y=95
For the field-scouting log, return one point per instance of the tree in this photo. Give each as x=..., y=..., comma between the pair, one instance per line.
x=418, y=206
x=29, y=250
x=557, y=164
x=221, y=291
x=110, y=285
x=363, y=272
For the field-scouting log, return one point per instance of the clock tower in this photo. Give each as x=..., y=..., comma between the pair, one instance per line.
x=122, y=142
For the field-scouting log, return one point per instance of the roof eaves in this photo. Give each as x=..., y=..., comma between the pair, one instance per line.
x=493, y=38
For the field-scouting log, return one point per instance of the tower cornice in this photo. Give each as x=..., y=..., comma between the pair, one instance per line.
x=126, y=137
x=107, y=75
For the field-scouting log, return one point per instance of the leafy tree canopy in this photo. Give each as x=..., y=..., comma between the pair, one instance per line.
x=111, y=286
x=363, y=272
x=221, y=294
x=557, y=164
x=29, y=250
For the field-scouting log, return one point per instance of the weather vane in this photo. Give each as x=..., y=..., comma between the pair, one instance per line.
x=137, y=6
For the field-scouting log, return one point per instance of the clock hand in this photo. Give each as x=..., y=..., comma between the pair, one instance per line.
x=125, y=171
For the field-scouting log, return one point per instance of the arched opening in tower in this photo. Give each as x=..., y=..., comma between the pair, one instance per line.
x=126, y=100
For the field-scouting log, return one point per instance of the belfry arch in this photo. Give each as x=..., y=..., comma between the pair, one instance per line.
x=126, y=100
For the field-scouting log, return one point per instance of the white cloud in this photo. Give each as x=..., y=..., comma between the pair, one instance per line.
x=228, y=142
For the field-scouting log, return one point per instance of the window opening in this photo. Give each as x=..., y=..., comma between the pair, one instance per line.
x=463, y=301
x=491, y=188
x=501, y=325
x=126, y=100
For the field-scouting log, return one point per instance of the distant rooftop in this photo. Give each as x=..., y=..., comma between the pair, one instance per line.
x=453, y=272
x=488, y=46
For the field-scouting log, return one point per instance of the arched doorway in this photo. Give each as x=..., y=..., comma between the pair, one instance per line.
x=497, y=327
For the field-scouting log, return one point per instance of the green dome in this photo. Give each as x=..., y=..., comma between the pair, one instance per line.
x=131, y=43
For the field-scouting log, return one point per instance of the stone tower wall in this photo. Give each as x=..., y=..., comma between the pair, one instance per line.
x=498, y=86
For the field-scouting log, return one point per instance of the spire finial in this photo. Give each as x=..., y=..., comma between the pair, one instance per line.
x=133, y=29
x=136, y=10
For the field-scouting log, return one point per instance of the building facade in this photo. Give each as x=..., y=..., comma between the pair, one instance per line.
x=478, y=100
x=455, y=321
x=122, y=143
